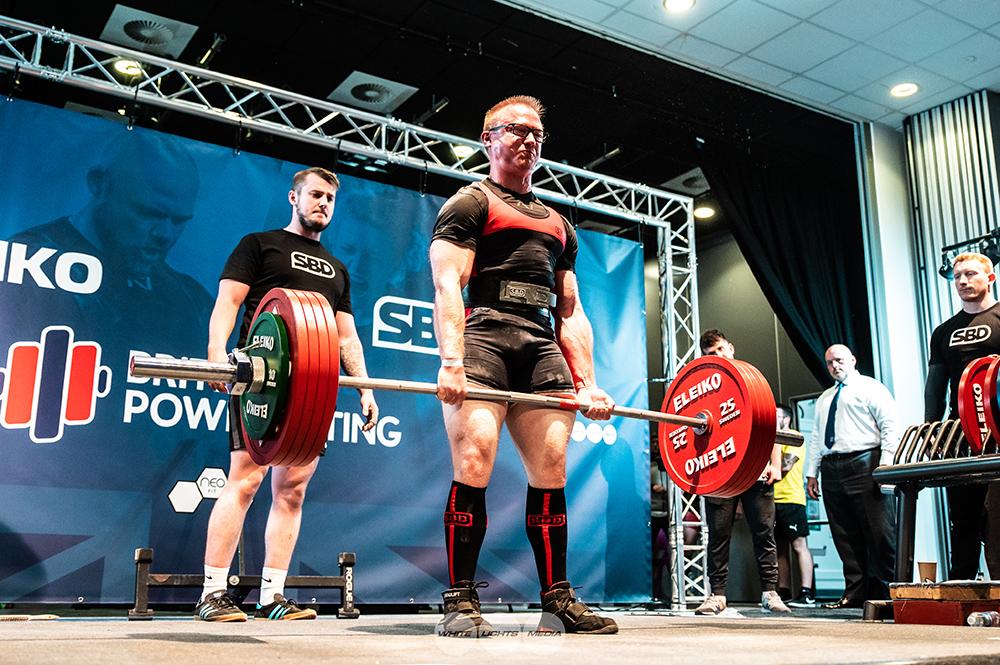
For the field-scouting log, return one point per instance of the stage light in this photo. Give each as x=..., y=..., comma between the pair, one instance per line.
x=704, y=212
x=127, y=67
x=462, y=151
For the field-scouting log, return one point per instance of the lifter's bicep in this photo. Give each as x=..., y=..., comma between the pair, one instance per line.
x=450, y=264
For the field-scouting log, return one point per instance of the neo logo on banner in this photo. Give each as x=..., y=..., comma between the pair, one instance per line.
x=51, y=383
x=404, y=324
x=74, y=272
x=186, y=494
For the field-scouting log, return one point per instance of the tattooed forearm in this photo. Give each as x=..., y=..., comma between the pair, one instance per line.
x=352, y=357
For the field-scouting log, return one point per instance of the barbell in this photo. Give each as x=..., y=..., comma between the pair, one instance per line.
x=716, y=424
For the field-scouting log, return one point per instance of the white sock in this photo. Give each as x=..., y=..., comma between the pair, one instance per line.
x=216, y=579
x=272, y=581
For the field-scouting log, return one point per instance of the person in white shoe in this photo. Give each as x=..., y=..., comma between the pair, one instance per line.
x=260, y=262
x=758, y=507
x=791, y=528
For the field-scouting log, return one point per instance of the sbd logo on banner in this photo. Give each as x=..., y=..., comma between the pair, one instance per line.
x=51, y=383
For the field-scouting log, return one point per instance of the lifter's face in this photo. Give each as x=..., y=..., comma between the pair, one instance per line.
x=972, y=281
x=313, y=203
x=722, y=348
x=508, y=152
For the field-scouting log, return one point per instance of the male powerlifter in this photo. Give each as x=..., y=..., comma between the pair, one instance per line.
x=974, y=332
x=517, y=257
x=261, y=262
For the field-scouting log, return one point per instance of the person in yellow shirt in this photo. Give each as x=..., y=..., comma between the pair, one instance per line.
x=790, y=524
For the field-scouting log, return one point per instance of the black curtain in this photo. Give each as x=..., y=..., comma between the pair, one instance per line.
x=797, y=222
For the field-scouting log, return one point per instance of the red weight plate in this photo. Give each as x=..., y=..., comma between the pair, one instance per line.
x=274, y=448
x=310, y=443
x=991, y=401
x=756, y=455
x=328, y=407
x=743, y=478
x=971, y=403
x=762, y=439
x=766, y=424
x=309, y=376
x=765, y=421
x=753, y=463
x=326, y=375
x=707, y=463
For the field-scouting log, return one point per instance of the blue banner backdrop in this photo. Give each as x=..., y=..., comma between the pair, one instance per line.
x=112, y=242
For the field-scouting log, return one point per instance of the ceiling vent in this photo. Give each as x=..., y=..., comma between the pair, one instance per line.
x=371, y=93
x=147, y=32
x=692, y=183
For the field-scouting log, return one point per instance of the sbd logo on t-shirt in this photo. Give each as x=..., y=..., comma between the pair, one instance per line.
x=969, y=335
x=312, y=265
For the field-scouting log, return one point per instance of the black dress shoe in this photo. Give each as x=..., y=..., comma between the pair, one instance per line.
x=844, y=604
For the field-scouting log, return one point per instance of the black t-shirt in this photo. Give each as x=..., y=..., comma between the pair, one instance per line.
x=960, y=340
x=280, y=258
x=518, y=254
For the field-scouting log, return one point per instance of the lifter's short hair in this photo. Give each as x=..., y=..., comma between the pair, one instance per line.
x=526, y=100
x=319, y=171
x=973, y=256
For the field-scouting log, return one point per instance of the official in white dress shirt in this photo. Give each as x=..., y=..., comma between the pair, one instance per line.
x=855, y=430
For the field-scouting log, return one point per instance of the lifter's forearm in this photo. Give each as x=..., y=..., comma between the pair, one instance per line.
x=449, y=319
x=576, y=339
x=220, y=326
x=352, y=357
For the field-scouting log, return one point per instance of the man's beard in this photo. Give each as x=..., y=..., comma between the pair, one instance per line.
x=308, y=224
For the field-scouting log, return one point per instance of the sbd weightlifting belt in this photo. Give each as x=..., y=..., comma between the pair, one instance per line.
x=490, y=291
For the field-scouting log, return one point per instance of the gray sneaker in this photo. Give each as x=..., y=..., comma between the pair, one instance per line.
x=771, y=602
x=712, y=605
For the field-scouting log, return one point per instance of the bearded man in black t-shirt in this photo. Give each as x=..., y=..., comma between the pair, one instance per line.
x=517, y=257
x=262, y=261
x=974, y=508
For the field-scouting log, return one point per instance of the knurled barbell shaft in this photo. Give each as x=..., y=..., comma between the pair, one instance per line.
x=204, y=370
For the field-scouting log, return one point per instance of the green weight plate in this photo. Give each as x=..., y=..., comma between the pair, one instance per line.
x=261, y=411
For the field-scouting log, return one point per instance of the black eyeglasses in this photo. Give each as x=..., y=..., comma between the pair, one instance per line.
x=522, y=131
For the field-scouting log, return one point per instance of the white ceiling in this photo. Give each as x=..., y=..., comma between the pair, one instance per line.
x=837, y=55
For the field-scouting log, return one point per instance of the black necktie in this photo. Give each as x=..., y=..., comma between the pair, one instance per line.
x=831, y=418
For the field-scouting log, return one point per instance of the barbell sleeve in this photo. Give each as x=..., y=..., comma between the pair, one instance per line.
x=178, y=368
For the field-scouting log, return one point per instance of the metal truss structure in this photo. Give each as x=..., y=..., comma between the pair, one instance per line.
x=680, y=332
x=89, y=64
